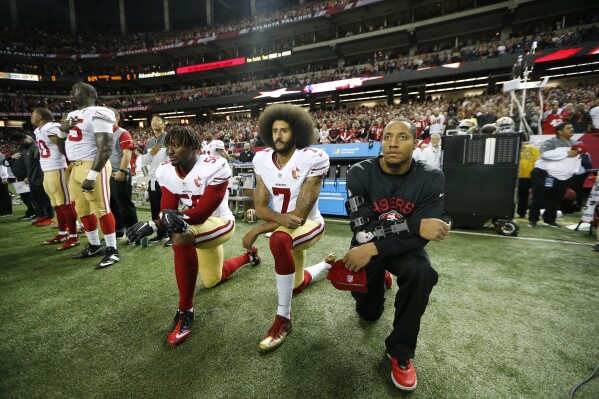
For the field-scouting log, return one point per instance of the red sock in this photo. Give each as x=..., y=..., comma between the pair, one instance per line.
x=108, y=224
x=186, y=271
x=231, y=265
x=280, y=246
x=307, y=279
x=62, y=226
x=89, y=222
x=74, y=210
x=70, y=218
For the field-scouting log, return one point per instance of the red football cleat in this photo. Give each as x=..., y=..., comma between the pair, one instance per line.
x=38, y=220
x=403, y=374
x=388, y=280
x=70, y=243
x=56, y=240
x=181, y=330
x=46, y=222
x=276, y=334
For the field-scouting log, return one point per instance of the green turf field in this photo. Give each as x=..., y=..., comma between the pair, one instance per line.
x=510, y=318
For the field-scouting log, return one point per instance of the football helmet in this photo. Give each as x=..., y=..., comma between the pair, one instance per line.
x=250, y=216
x=467, y=126
x=505, y=125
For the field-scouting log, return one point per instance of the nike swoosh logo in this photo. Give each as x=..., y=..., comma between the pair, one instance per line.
x=440, y=195
x=181, y=335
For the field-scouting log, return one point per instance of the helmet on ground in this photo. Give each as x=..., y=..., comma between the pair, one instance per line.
x=250, y=216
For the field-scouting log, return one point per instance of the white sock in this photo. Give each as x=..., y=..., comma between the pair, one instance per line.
x=63, y=233
x=316, y=269
x=72, y=236
x=110, y=240
x=285, y=290
x=93, y=237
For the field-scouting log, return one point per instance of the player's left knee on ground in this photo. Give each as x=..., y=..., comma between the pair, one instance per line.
x=369, y=308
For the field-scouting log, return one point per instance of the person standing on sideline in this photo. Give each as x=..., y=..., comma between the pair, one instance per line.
x=121, y=190
x=215, y=148
x=432, y=154
x=153, y=155
x=88, y=145
x=551, y=175
x=35, y=177
x=54, y=165
x=289, y=174
x=529, y=155
x=404, y=199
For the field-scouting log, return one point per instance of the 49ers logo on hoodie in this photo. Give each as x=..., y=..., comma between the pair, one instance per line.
x=391, y=216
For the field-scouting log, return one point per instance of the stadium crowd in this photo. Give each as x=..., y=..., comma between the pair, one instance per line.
x=481, y=108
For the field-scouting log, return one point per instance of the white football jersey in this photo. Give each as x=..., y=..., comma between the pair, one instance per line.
x=284, y=184
x=207, y=171
x=50, y=156
x=210, y=148
x=81, y=142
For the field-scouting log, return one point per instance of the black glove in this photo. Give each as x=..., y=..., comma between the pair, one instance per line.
x=173, y=221
x=140, y=230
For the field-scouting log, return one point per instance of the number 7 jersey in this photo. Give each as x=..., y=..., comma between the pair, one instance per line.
x=284, y=184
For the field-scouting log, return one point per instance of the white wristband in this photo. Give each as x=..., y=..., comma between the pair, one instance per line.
x=153, y=226
x=91, y=175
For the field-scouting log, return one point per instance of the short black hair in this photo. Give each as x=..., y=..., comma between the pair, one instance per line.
x=561, y=127
x=45, y=114
x=162, y=118
x=89, y=89
x=184, y=136
x=299, y=119
x=18, y=136
x=411, y=124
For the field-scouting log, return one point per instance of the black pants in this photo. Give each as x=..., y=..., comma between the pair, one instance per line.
x=577, y=184
x=548, y=197
x=416, y=279
x=523, y=189
x=5, y=200
x=28, y=201
x=41, y=201
x=155, y=197
x=121, y=205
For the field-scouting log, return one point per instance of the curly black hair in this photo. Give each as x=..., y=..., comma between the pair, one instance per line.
x=299, y=120
x=183, y=135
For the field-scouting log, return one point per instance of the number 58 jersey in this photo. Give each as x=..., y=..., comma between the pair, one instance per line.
x=208, y=171
x=284, y=184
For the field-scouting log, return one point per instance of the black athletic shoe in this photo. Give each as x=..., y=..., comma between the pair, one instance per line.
x=156, y=239
x=532, y=224
x=168, y=243
x=110, y=258
x=89, y=251
x=181, y=329
x=596, y=247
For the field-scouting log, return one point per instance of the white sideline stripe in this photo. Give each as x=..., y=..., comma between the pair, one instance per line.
x=520, y=238
x=490, y=235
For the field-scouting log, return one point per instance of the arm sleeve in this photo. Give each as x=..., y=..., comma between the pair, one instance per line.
x=126, y=141
x=321, y=164
x=53, y=131
x=210, y=200
x=103, y=121
x=550, y=153
x=431, y=206
x=168, y=199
